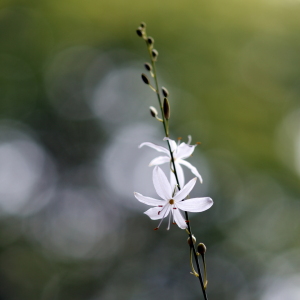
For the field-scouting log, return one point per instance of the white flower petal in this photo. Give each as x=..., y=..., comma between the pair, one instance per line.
x=172, y=143
x=178, y=218
x=156, y=147
x=195, y=204
x=180, y=174
x=173, y=181
x=161, y=184
x=191, y=167
x=184, y=150
x=153, y=213
x=159, y=160
x=148, y=200
x=180, y=195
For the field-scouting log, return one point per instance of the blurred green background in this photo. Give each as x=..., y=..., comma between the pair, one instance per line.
x=73, y=111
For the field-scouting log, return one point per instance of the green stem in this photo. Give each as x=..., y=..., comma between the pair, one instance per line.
x=166, y=129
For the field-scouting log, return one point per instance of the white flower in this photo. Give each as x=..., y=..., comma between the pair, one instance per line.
x=181, y=151
x=171, y=204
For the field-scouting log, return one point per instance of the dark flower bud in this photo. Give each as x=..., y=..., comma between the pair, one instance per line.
x=189, y=240
x=139, y=31
x=150, y=40
x=153, y=111
x=148, y=67
x=143, y=25
x=145, y=79
x=166, y=107
x=154, y=54
x=201, y=248
x=165, y=92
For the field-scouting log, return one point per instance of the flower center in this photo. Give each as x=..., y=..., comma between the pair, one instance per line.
x=171, y=201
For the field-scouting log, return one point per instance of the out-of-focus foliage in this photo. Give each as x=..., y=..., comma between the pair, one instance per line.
x=73, y=111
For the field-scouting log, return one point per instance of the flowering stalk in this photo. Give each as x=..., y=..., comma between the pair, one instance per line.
x=165, y=113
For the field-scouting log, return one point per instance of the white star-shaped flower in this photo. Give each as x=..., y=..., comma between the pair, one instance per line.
x=180, y=151
x=171, y=204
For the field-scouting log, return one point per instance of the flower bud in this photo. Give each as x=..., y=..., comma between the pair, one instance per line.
x=139, y=32
x=153, y=111
x=143, y=25
x=148, y=67
x=154, y=54
x=145, y=79
x=189, y=240
x=165, y=92
x=166, y=107
x=150, y=40
x=201, y=248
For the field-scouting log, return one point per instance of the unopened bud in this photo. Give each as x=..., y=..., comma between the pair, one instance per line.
x=150, y=40
x=201, y=248
x=148, y=67
x=166, y=107
x=154, y=54
x=153, y=111
x=189, y=240
x=145, y=79
x=139, y=31
x=165, y=92
x=143, y=25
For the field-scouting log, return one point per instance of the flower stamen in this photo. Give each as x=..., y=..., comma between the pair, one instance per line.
x=173, y=217
x=169, y=222
x=166, y=210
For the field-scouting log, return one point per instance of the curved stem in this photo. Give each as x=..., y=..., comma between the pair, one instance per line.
x=166, y=129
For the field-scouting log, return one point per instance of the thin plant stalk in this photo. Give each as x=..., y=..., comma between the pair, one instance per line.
x=166, y=129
